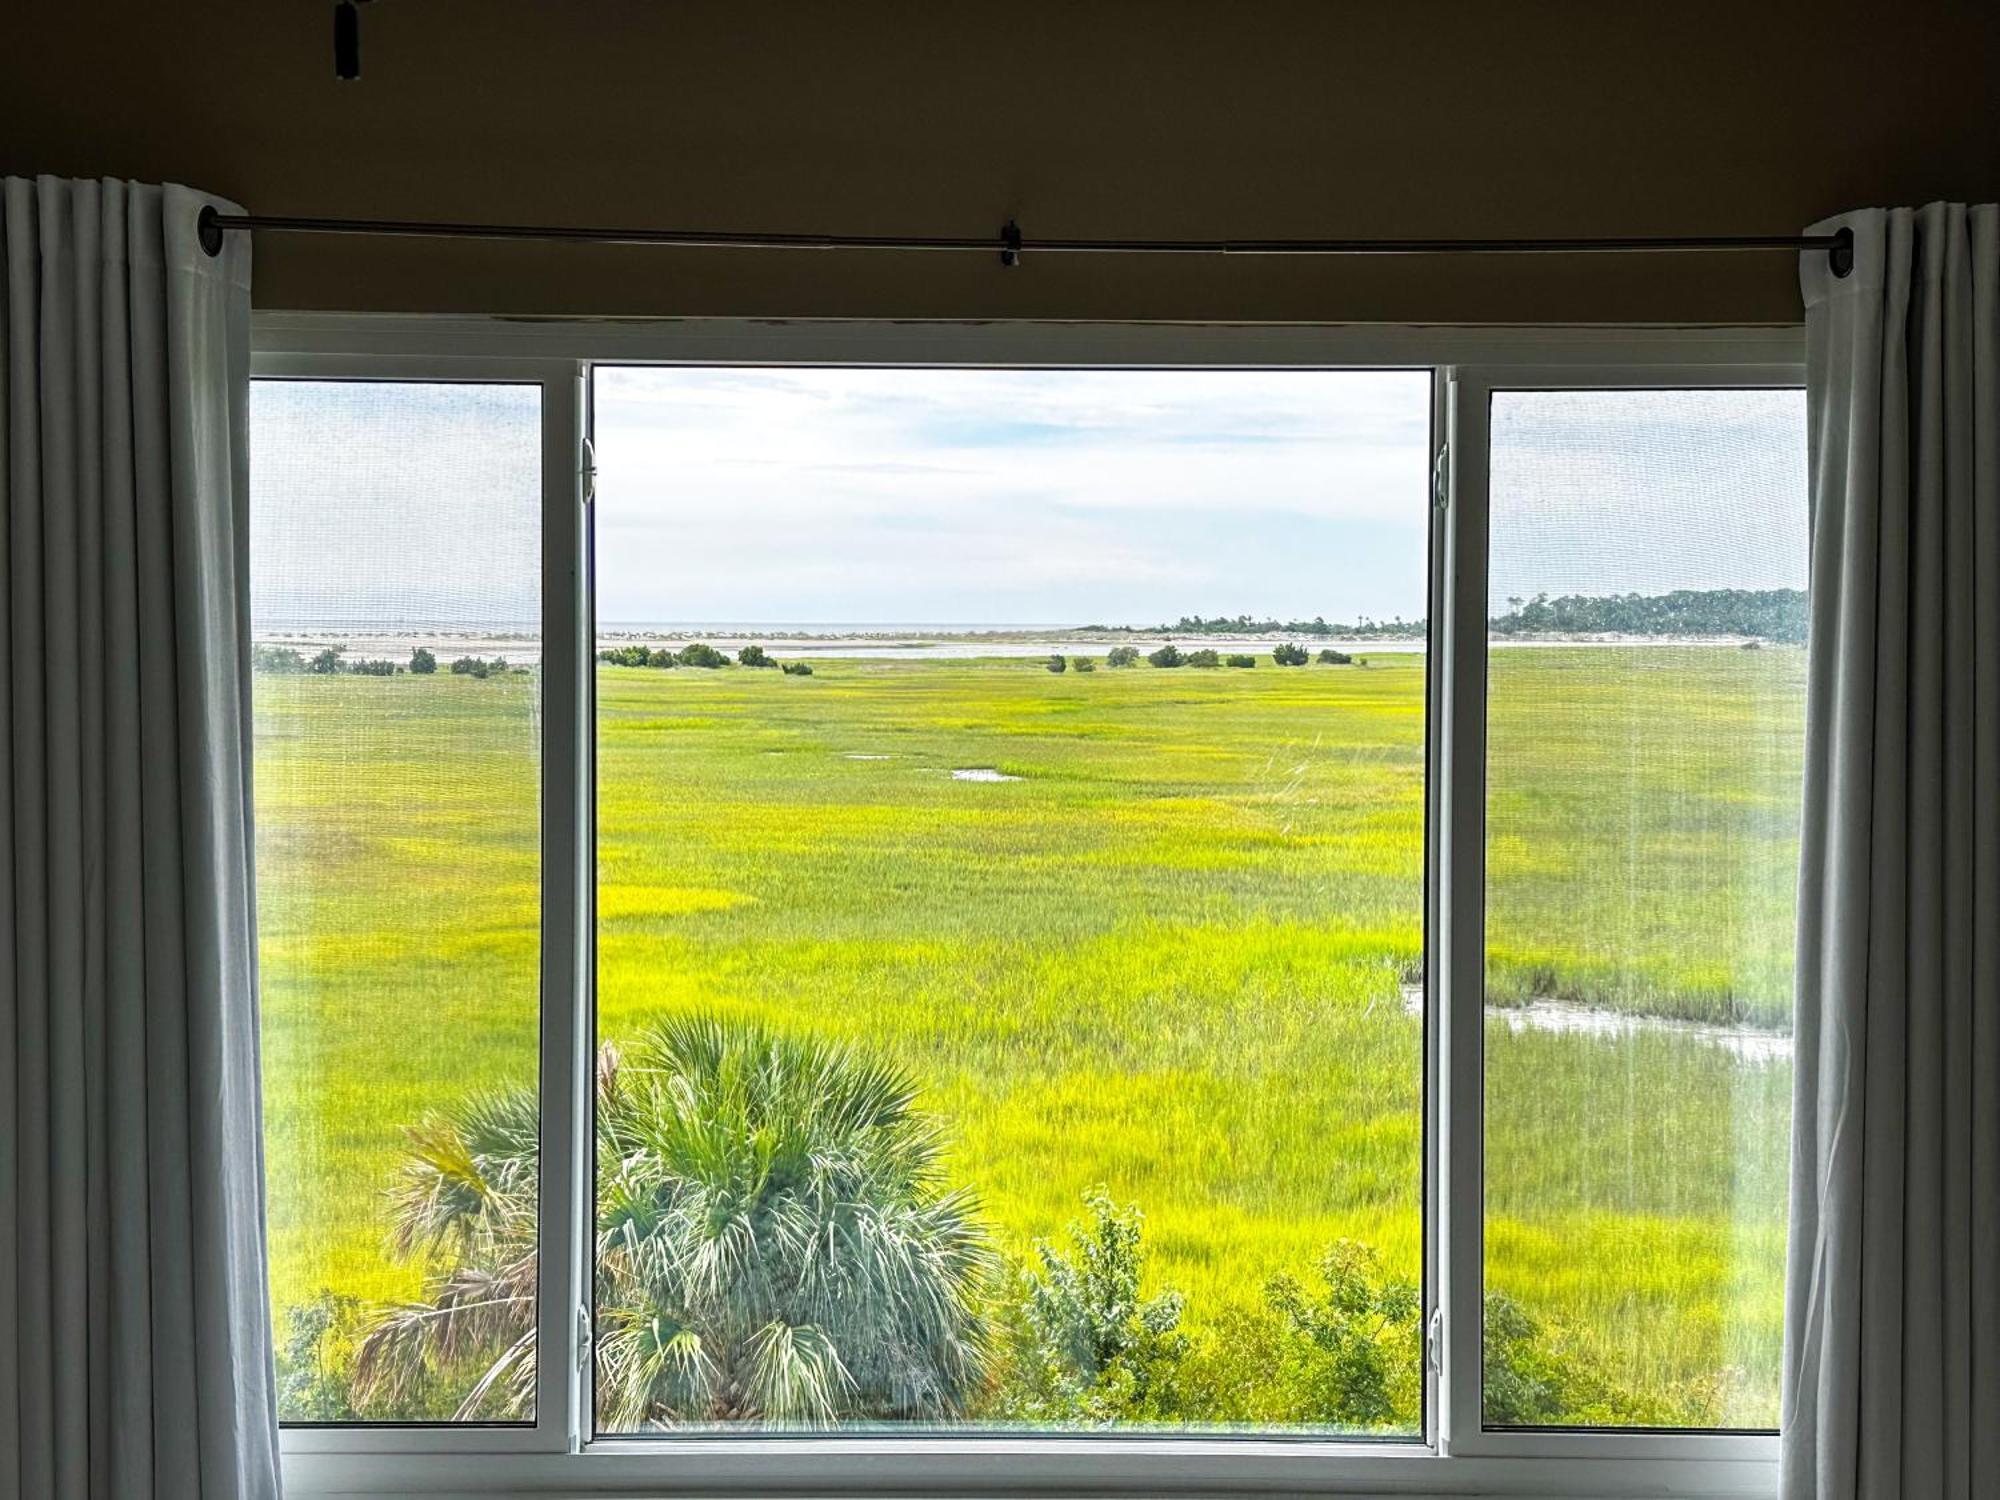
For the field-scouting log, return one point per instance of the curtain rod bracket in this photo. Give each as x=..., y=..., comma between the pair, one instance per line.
x=1010, y=244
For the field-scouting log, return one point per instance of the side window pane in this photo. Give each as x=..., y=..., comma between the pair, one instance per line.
x=396, y=616
x=1010, y=899
x=1646, y=687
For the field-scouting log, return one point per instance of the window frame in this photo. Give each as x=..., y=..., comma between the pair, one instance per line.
x=558, y=1453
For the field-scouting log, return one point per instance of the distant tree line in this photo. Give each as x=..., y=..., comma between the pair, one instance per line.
x=1761, y=614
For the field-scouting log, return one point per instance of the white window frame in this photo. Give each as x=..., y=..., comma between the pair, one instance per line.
x=557, y=1455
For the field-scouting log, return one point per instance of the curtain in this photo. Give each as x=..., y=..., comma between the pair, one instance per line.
x=1892, y=1317
x=135, y=1356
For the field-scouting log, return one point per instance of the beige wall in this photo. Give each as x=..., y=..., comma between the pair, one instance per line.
x=1090, y=118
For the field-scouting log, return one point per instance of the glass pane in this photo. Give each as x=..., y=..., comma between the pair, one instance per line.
x=1646, y=709
x=1010, y=1001
x=396, y=613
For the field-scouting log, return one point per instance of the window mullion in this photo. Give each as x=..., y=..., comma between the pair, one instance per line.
x=1461, y=715
x=565, y=1049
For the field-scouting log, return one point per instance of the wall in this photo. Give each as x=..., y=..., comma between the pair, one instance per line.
x=1088, y=118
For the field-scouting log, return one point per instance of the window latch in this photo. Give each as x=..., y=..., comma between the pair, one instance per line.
x=1434, y=1342
x=1441, y=478
x=583, y=1337
x=587, y=474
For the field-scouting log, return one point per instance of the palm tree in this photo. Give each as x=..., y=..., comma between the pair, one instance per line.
x=775, y=1243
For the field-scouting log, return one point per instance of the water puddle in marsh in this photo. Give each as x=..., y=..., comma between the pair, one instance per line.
x=982, y=773
x=1747, y=1044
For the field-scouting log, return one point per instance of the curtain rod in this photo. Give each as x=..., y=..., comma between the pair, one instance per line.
x=1010, y=244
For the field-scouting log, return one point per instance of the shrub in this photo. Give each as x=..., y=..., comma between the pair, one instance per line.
x=1205, y=657
x=314, y=1360
x=1122, y=656
x=1351, y=1344
x=1241, y=660
x=1082, y=664
x=277, y=659
x=468, y=666
x=798, y=669
x=1088, y=1348
x=635, y=656
x=1057, y=662
x=1168, y=655
x=701, y=654
x=373, y=667
x=1332, y=658
x=753, y=656
x=325, y=663
x=1290, y=654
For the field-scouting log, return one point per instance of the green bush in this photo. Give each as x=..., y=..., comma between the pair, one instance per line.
x=701, y=654
x=1057, y=662
x=1087, y=1347
x=315, y=1360
x=276, y=659
x=1332, y=658
x=422, y=661
x=753, y=656
x=373, y=667
x=1082, y=664
x=1351, y=1344
x=798, y=669
x=635, y=656
x=474, y=666
x=1239, y=659
x=1122, y=656
x=1168, y=655
x=325, y=663
x=1290, y=654
x=1205, y=657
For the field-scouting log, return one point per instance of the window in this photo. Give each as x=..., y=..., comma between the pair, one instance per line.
x=396, y=621
x=1645, y=713
x=864, y=903
x=1011, y=1016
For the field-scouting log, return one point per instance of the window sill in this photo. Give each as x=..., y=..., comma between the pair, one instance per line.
x=1014, y=1466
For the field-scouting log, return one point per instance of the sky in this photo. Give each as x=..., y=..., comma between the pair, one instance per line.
x=1009, y=497
x=829, y=496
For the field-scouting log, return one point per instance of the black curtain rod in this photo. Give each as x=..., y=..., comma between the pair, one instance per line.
x=1011, y=245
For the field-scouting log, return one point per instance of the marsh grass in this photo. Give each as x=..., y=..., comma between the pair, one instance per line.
x=1165, y=960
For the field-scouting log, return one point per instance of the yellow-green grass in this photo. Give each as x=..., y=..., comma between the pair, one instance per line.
x=1167, y=959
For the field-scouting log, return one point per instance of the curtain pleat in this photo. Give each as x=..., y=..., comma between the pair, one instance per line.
x=135, y=1353
x=1892, y=1368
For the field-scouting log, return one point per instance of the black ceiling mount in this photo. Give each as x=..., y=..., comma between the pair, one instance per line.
x=347, y=40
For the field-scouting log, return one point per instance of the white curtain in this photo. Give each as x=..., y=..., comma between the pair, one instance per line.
x=1892, y=1327
x=135, y=1356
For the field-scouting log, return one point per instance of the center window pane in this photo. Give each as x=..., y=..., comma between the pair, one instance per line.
x=1009, y=904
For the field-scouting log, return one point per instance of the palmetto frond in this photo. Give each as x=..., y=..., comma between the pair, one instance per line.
x=776, y=1240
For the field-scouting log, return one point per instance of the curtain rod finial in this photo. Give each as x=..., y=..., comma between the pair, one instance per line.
x=208, y=229
x=1840, y=259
